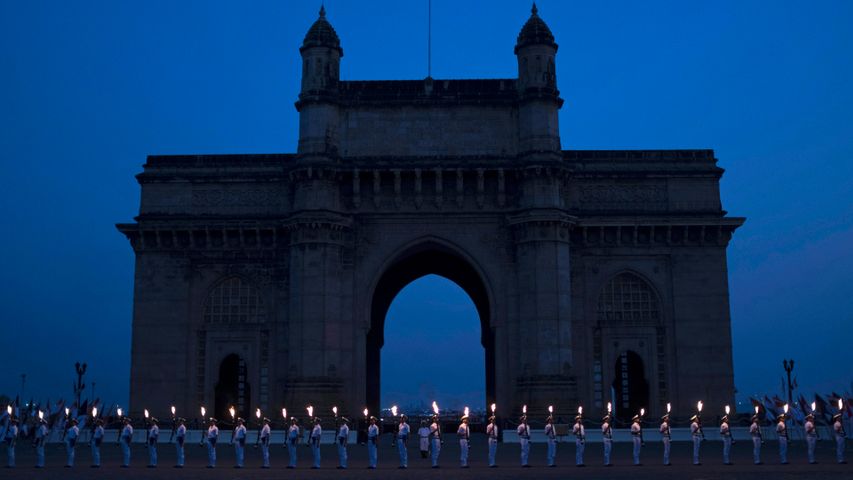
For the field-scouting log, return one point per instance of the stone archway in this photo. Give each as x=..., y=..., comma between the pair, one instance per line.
x=232, y=388
x=421, y=260
x=630, y=385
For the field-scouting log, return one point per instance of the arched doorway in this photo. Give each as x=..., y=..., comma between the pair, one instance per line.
x=426, y=259
x=232, y=388
x=630, y=385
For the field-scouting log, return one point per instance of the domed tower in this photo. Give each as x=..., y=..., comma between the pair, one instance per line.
x=537, y=85
x=321, y=59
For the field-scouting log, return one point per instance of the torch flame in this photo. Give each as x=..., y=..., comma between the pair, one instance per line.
x=756, y=409
x=9, y=410
x=550, y=409
x=840, y=404
x=145, y=412
x=580, y=410
x=203, y=411
x=668, y=407
x=434, y=407
x=365, y=412
x=94, y=411
x=41, y=415
x=310, y=411
x=699, y=406
x=394, y=410
x=524, y=409
x=67, y=411
x=232, y=411
x=813, y=407
x=118, y=411
x=642, y=411
x=609, y=407
x=493, y=408
x=727, y=409
x=258, y=413
x=785, y=408
x=335, y=411
x=284, y=413
x=466, y=411
x=173, y=410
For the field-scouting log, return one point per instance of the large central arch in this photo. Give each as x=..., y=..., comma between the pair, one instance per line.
x=425, y=258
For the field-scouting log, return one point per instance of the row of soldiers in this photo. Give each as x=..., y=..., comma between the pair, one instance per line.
x=430, y=440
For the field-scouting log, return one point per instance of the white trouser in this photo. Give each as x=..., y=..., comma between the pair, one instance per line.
x=291, y=450
x=608, y=447
x=811, y=442
x=10, y=454
x=493, y=450
x=179, y=451
x=152, y=453
x=697, y=441
x=342, y=453
x=667, y=444
x=265, y=452
x=839, y=448
x=96, y=454
x=727, y=449
x=403, y=452
x=756, y=450
x=783, y=449
x=552, y=451
x=40, y=454
x=525, y=450
x=315, y=452
x=463, y=449
x=371, y=452
x=579, y=446
x=239, y=452
x=211, y=452
x=436, y=450
x=638, y=442
x=125, y=452
x=69, y=449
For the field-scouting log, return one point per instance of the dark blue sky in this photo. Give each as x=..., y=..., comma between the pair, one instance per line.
x=88, y=89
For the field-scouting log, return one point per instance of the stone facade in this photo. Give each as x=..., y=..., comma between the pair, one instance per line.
x=264, y=280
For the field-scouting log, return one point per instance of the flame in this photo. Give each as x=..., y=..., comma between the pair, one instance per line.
x=365, y=412
x=813, y=407
x=550, y=409
x=67, y=411
x=258, y=413
x=493, y=408
x=284, y=413
x=145, y=412
x=232, y=411
x=727, y=409
x=310, y=411
x=335, y=411
x=785, y=408
x=699, y=406
x=466, y=411
x=609, y=407
x=118, y=411
x=756, y=409
x=41, y=415
x=394, y=410
x=434, y=407
x=203, y=411
x=580, y=410
x=9, y=409
x=642, y=411
x=173, y=410
x=668, y=407
x=524, y=409
x=94, y=411
x=840, y=404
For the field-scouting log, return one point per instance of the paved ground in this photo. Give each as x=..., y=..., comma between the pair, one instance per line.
x=508, y=460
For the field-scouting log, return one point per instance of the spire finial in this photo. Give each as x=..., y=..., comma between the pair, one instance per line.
x=534, y=10
x=322, y=10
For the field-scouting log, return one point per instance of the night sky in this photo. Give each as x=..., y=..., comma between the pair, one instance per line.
x=88, y=89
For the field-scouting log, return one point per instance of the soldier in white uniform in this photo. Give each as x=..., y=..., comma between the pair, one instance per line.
x=238, y=438
x=180, y=438
x=637, y=438
x=666, y=438
x=523, y=432
x=403, y=441
x=97, y=440
x=212, y=437
x=11, y=440
x=757, y=439
x=265, y=443
x=435, y=440
x=372, y=442
x=840, y=437
x=125, y=438
x=464, y=434
x=580, y=440
x=153, y=435
x=423, y=439
x=607, y=438
x=551, y=439
x=696, y=433
x=292, y=441
x=342, y=440
x=782, y=433
x=316, y=436
x=71, y=441
x=492, y=433
x=41, y=439
x=726, y=433
x=811, y=437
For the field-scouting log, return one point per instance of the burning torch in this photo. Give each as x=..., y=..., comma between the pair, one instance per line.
x=233, y=413
x=145, y=423
x=118, y=434
x=758, y=422
x=642, y=414
x=174, y=425
x=814, y=411
x=286, y=427
x=699, y=406
x=260, y=426
x=201, y=441
x=729, y=433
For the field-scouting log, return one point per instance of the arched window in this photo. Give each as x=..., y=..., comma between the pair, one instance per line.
x=234, y=301
x=628, y=300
